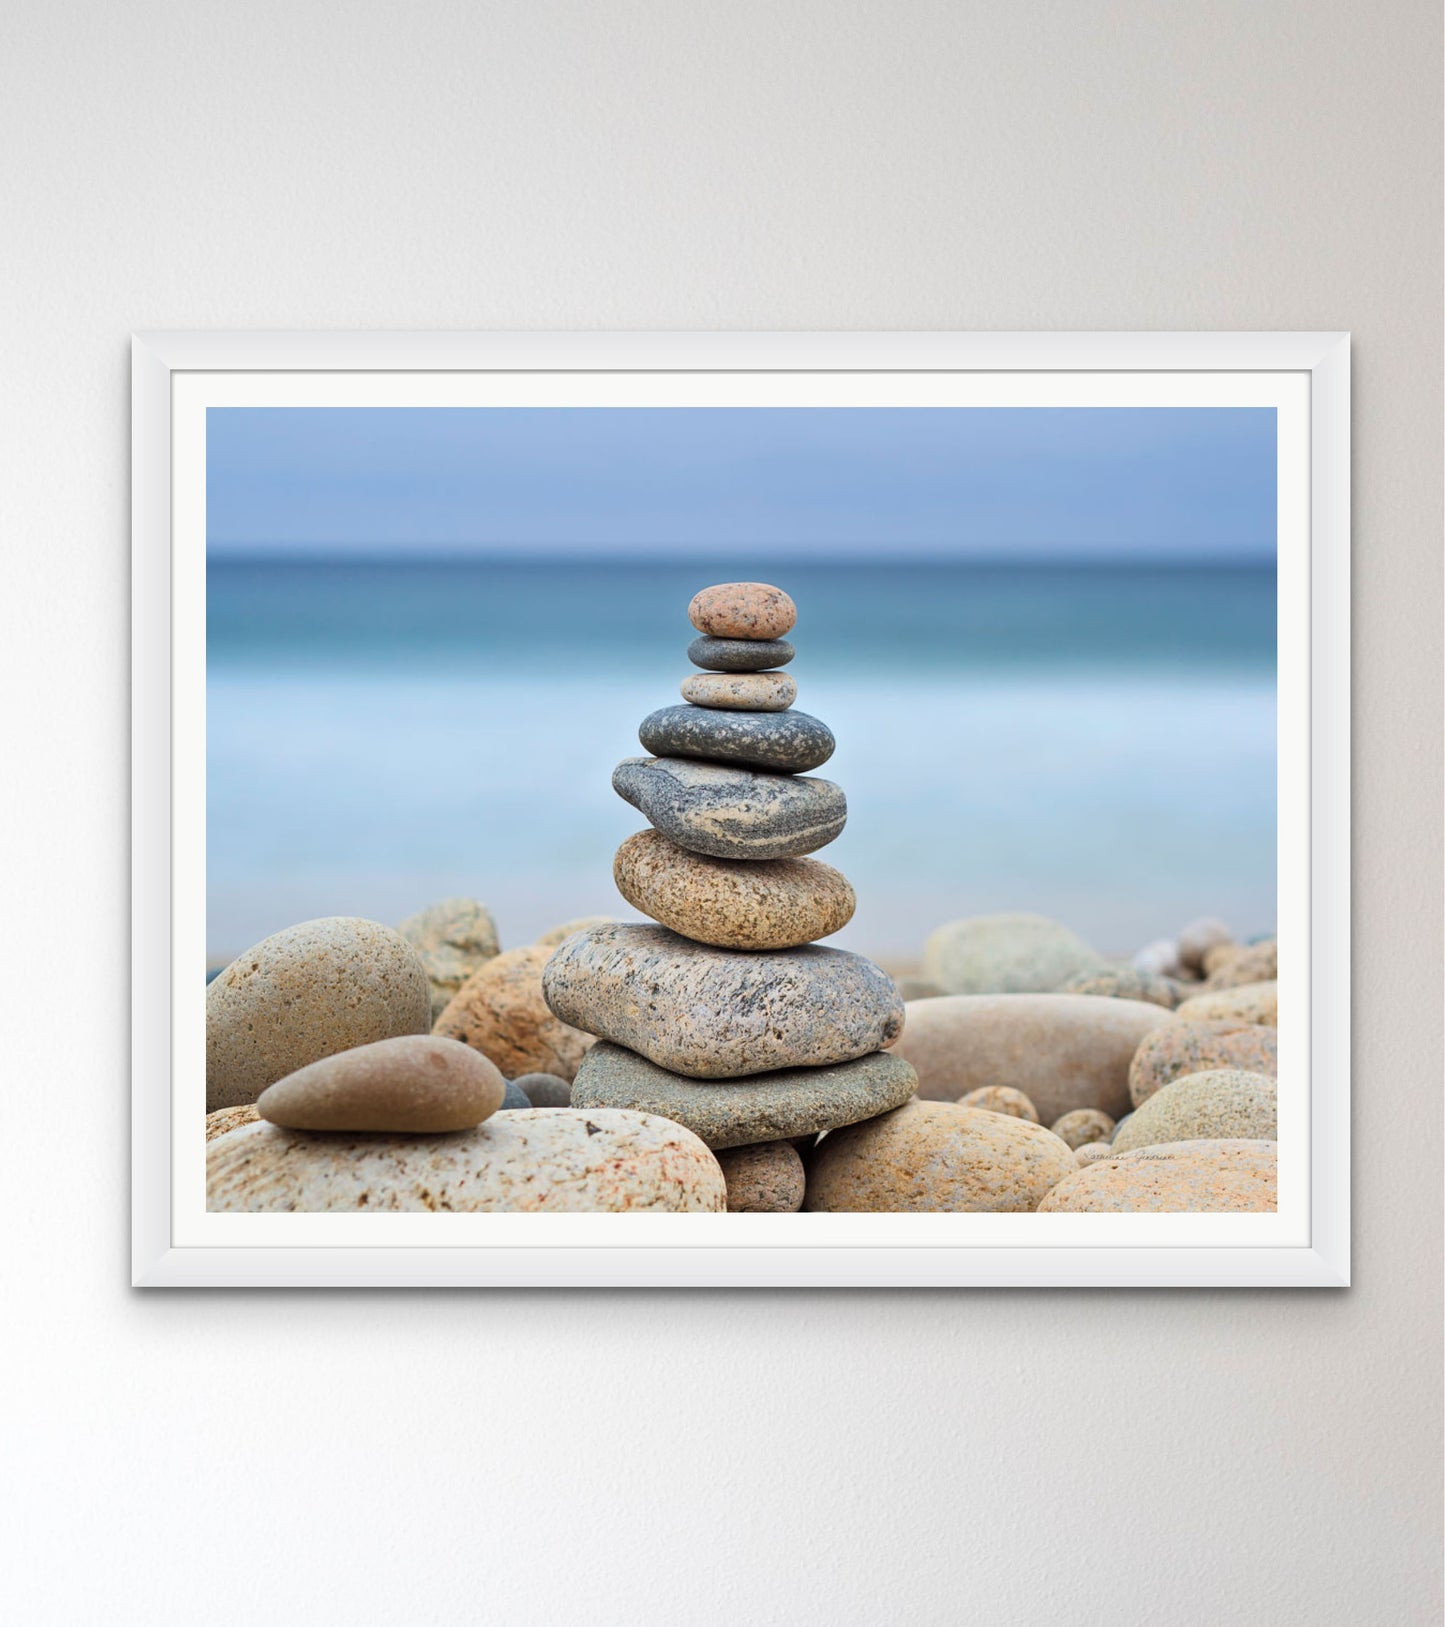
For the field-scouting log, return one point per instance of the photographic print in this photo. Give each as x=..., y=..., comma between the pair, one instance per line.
x=859, y=817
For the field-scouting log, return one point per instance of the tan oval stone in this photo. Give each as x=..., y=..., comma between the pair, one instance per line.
x=1001, y=1099
x=1062, y=1050
x=1083, y=1127
x=927, y=1157
x=766, y=1178
x=742, y=610
x=741, y=691
x=1254, y=963
x=225, y=1119
x=538, y=1160
x=418, y=1084
x=1222, y=1103
x=732, y=903
x=1182, y=1047
x=500, y=1012
x=452, y=938
x=1213, y=1177
x=1248, y=1003
x=310, y=991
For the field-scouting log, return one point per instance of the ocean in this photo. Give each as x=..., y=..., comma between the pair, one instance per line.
x=1090, y=742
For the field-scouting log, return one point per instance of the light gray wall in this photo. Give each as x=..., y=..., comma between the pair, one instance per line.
x=1166, y=1458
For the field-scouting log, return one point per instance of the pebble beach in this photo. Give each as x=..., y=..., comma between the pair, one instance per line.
x=716, y=1055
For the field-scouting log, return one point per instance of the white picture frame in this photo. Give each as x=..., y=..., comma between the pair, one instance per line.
x=176, y=374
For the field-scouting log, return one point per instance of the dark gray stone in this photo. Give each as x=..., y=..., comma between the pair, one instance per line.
x=515, y=1098
x=785, y=742
x=721, y=1013
x=766, y=1107
x=732, y=813
x=739, y=654
x=544, y=1089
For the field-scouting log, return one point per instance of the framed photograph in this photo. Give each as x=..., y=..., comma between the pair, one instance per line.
x=741, y=809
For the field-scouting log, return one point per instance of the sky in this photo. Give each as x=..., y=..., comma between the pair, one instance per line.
x=1186, y=483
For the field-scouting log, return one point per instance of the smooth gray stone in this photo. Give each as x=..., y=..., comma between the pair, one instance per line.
x=785, y=742
x=732, y=813
x=721, y=1013
x=515, y=1100
x=765, y=1107
x=739, y=654
x=544, y=1089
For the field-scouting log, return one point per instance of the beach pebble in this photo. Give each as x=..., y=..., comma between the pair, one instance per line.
x=1158, y=959
x=551, y=938
x=721, y=1013
x=305, y=993
x=515, y=1099
x=741, y=691
x=777, y=1106
x=732, y=813
x=739, y=654
x=766, y=1178
x=1224, y=1103
x=742, y=610
x=781, y=742
x=1125, y=983
x=1006, y=954
x=544, y=1089
x=1246, y=1003
x=500, y=1012
x=732, y=903
x=1001, y=1099
x=1084, y=1127
x=452, y=938
x=416, y=1084
x=937, y=1156
x=1092, y=1152
x=1256, y=963
x=1228, y=1177
x=225, y=1119
x=1182, y=1047
x=545, y=1160
x=1198, y=938
x=1062, y=1050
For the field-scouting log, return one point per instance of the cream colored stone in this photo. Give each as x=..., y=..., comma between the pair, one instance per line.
x=936, y=1156
x=310, y=991
x=1001, y=1099
x=226, y=1119
x=1247, y=1003
x=732, y=903
x=418, y=1084
x=1083, y=1127
x=1221, y=1103
x=1253, y=963
x=1229, y=1177
x=540, y=1160
x=500, y=1012
x=1062, y=1050
x=453, y=938
x=741, y=691
x=555, y=935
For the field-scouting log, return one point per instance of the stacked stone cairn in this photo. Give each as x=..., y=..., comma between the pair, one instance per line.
x=726, y=1016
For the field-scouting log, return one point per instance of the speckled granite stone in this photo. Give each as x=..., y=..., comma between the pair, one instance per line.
x=721, y=1013
x=1084, y=1127
x=936, y=1156
x=1247, y=1003
x=500, y=1012
x=739, y=654
x=452, y=938
x=545, y=1161
x=416, y=1084
x=742, y=610
x=783, y=742
x=741, y=691
x=732, y=813
x=1223, y=1103
x=1181, y=1047
x=310, y=991
x=765, y=1178
x=1001, y=1099
x=1230, y=1177
x=775, y=1106
x=732, y=903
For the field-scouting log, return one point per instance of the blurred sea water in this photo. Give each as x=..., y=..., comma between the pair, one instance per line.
x=1092, y=742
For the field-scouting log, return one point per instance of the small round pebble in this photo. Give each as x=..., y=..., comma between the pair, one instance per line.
x=1083, y=1127
x=1198, y=938
x=742, y=610
x=416, y=1084
x=515, y=1099
x=1181, y=1047
x=545, y=1089
x=739, y=654
x=1256, y=963
x=1001, y=1099
x=766, y=1178
x=741, y=691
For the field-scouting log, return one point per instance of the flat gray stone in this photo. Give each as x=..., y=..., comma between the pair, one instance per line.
x=721, y=1013
x=766, y=1107
x=786, y=742
x=732, y=813
x=739, y=654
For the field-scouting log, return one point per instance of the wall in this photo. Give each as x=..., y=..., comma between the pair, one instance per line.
x=817, y=1458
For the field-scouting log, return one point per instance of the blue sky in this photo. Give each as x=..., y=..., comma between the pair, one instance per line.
x=1065, y=483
